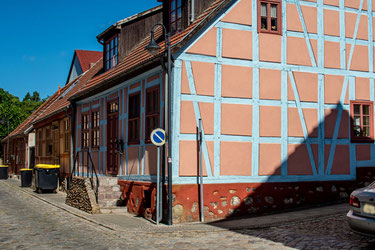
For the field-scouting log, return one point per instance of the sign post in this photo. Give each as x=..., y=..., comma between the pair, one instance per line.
x=158, y=139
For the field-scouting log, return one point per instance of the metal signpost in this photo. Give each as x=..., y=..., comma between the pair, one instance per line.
x=158, y=139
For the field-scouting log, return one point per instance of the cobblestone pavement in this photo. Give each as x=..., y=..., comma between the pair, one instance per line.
x=29, y=223
x=331, y=232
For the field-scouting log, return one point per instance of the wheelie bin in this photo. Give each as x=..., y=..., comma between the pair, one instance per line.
x=46, y=177
x=4, y=172
x=26, y=177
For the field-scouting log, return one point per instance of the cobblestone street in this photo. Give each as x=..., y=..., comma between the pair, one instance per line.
x=29, y=223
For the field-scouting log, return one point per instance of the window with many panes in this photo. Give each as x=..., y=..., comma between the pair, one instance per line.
x=269, y=17
x=95, y=128
x=175, y=20
x=66, y=135
x=134, y=118
x=362, y=121
x=152, y=110
x=85, y=131
x=40, y=142
x=48, y=141
x=110, y=52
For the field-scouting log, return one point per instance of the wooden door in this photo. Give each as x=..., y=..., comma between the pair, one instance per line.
x=112, y=137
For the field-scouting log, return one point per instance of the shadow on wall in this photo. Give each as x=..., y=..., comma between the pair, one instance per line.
x=239, y=199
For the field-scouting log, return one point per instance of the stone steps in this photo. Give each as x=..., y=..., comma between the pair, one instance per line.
x=110, y=196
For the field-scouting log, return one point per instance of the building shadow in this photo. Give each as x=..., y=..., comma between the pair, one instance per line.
x=274, y=196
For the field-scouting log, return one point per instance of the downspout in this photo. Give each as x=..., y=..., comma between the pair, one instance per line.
x=192, y=10
x=72, y=122
x=27, y=151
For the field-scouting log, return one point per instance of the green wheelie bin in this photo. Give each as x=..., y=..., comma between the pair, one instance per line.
x=26, y=177
x=4, y=172
x=46, y=177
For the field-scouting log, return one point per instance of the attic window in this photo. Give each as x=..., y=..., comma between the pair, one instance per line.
x=175, y=20
x=269, y=17
x=110, y=52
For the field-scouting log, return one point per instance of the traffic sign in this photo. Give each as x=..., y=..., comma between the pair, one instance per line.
x=158, y=137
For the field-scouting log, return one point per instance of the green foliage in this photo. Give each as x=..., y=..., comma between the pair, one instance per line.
x=12, y=109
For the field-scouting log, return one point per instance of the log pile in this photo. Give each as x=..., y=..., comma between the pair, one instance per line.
x=81, y=196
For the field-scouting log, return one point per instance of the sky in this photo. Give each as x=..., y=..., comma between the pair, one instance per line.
x=38, y=38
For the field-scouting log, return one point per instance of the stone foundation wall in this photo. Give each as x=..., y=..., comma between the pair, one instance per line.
x=235, y=199
x=81, y=196
x=226, y=200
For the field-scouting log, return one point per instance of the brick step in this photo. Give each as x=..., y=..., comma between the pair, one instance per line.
x=110, y=198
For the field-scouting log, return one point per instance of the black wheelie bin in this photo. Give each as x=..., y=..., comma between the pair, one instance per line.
x=46, y=177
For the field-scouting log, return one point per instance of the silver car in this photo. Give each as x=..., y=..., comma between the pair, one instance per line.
x=361, y=216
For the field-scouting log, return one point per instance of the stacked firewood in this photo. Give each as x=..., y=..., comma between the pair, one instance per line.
x=78, y=195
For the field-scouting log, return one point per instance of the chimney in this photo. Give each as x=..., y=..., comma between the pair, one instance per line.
x=59, y=89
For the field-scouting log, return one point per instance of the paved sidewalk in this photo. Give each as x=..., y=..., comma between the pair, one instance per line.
x=126, y=222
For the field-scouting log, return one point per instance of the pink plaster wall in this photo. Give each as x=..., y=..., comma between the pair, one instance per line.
x=298, y=160
x=270, y=121
x=237, y=44
x=236, y=119
x=204, y=77
x=135, y=85
x=350, y=22
x=307, y=86
x=332, y=54
x=185, y=89
x=332, y=2
x=207, y=114
x=235, y=158
x=189, y=159
x=293, y=21
x=294, y=122
x=241, y=13
x=297, y=52
x=332, y=88
x=330, y=117
x=133, y=160
x=269, y=47
x=206, y=45
x=152, y=78
x=236, y=81
x=362, y=88
x=363, y=152
x=269, y=84
x=331, y=22
x=310, y=16
x=188, y=123
x=341, y=161
x=150, y=160
x=355, y=4
x=360, y=57
x=269, y=159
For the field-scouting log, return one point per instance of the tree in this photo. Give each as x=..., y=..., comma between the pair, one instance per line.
x=35, y=97
x=16, y=111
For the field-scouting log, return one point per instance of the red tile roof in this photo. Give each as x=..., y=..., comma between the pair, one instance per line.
x=86, y=57
x=27, y=122
x=58, y=101
x=61, y=103
x=139, y=57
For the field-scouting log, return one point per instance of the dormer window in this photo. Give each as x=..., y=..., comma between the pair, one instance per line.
x=110, y=52
x=175, y=20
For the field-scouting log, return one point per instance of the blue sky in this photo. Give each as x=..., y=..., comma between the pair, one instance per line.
x=38, y=38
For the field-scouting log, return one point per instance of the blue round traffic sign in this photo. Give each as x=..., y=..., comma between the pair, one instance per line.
x=158, y=137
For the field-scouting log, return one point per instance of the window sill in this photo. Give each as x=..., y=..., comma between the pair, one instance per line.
x=133, y=142
x=362, y=140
